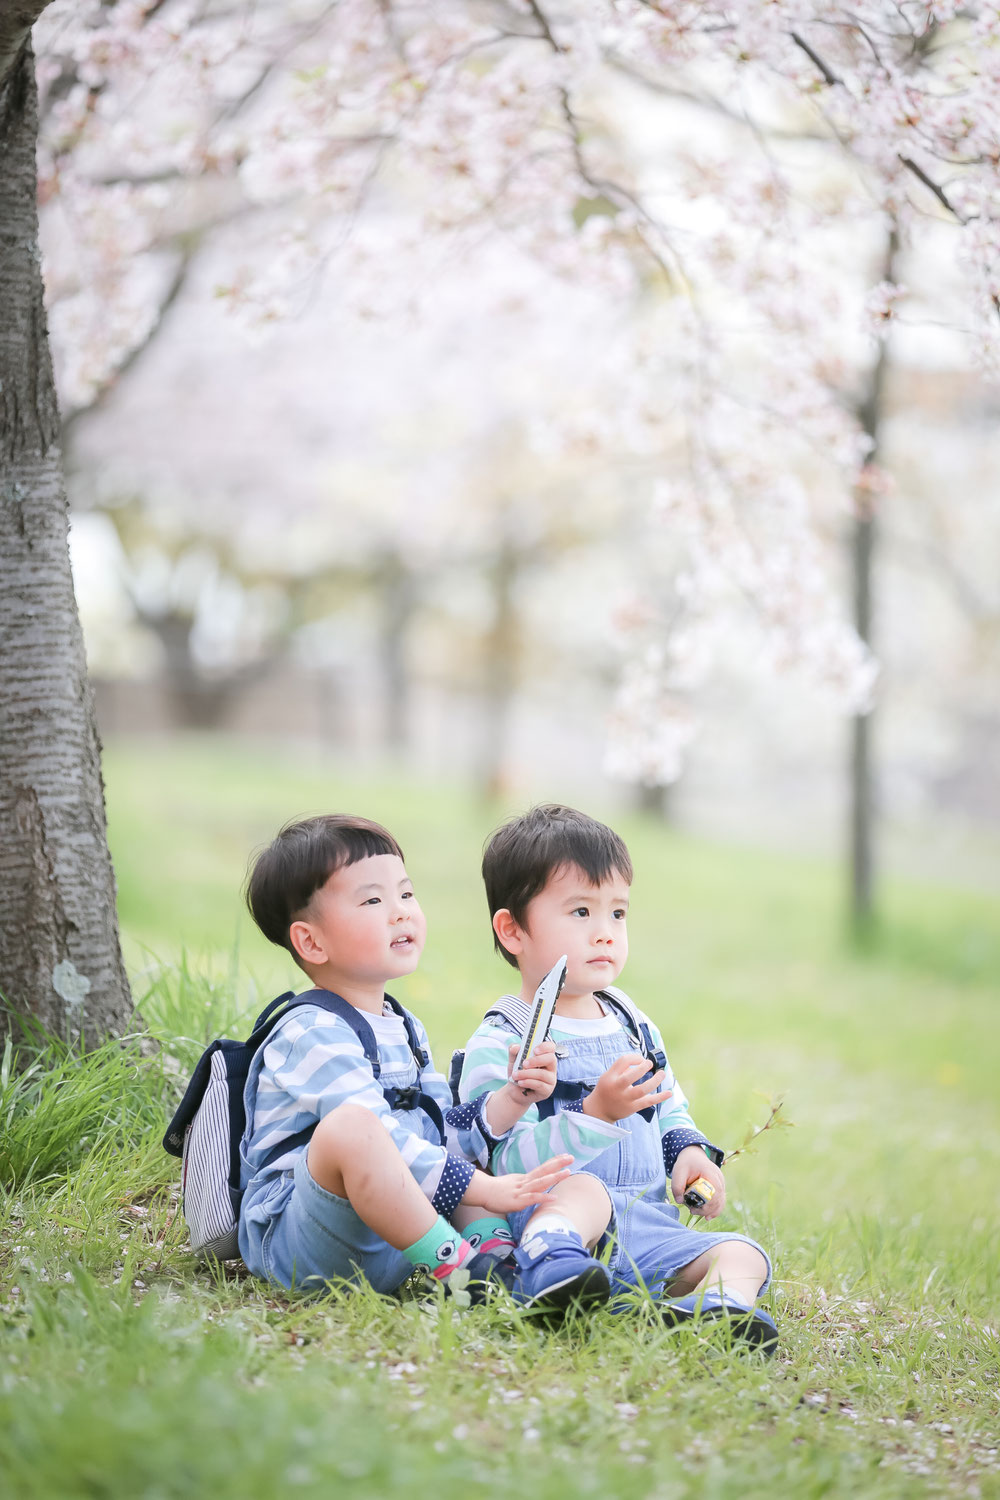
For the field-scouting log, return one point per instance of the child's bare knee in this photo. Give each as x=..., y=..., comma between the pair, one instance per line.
x=343, y=1137
x=593, y=1192
x=747, y=1257
x=342, y=1130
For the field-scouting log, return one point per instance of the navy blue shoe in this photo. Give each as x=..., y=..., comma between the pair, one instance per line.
x=479, y=1275
x=555, y=1272
x=750, y=1323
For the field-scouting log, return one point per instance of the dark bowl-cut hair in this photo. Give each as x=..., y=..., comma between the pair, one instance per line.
x=523, y=853
x=287, y=874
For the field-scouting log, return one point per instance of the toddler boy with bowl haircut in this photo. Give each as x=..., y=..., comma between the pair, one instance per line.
x=558, y=882
x=339, y=1184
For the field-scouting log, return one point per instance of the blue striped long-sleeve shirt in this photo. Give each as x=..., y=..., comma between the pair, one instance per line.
x=313, y=1062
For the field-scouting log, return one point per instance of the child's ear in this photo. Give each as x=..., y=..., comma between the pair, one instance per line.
x=508, y=930
x=302, y=939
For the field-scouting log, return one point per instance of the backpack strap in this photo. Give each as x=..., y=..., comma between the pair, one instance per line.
x=269, y=1010
x=410, y=1096
x=414, y=1097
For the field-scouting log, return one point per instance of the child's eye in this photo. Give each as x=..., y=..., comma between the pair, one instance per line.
x=621, y=914
x=372, y=901
x=580, y=911
x=407, y=895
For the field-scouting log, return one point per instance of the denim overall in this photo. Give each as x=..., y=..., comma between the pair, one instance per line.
x=649, y=1243
x=295, y=1233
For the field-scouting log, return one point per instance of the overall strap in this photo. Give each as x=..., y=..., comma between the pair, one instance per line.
x=636, y=1024
x=510, y=1008
x=638, y=1027
x=564, y=1093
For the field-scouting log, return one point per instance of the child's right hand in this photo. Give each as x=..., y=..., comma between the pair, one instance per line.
x=618, y=1094
x=537, y=1078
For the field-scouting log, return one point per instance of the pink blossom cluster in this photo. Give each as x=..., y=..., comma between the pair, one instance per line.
x=742, y=248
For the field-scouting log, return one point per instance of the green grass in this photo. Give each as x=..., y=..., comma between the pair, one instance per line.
x=126, y=1371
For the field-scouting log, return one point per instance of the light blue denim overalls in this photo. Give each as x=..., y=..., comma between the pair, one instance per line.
x=649, y=1243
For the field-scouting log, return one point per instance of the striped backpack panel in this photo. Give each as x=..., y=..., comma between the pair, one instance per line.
x=209, y=1204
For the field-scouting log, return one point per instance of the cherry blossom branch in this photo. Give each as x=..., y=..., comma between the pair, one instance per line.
x=833, y=81
x=545, y=28
x=174, y=288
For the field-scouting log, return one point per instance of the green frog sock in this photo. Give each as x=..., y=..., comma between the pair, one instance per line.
x=440, y=1251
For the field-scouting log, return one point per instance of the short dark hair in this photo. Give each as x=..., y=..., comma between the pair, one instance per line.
x=524, y=852
x=287, y=874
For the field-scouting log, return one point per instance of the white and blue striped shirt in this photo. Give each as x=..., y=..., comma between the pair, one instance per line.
x=313, y=1061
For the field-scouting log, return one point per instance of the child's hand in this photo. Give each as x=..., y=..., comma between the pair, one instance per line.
x=534, y=1081
x=618, y=1094
x=537, y=1078
x=514, y=1190
x=691, y=1164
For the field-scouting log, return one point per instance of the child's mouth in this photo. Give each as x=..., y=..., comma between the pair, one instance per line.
x=401, y=942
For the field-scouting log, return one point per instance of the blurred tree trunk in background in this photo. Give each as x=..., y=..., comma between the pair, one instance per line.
x=500, y=667
x=863, y=539
x=655, y=801
x=60, y=960
x=397, y=597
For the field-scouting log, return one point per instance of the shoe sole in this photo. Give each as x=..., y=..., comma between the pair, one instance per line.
x=586, y=1289
x=745, y=1326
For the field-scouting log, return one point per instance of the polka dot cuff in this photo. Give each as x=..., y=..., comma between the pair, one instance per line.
x=465, y=1117
x=455, y=1178
x=675, y=1140
x=462, y=1116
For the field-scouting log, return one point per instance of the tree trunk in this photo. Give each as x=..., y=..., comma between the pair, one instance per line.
x=655, y=801
x=500, y=668
x=60, y=960
x=863, y=542
x=397, y=605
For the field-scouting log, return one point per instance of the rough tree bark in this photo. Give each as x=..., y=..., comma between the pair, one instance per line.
x=863, y=540
x=60, y=960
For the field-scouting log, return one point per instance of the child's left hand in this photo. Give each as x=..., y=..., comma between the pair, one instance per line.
x=691, y=1164
x=537, y=1078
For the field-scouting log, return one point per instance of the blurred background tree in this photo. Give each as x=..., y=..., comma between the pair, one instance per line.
x=510, y=272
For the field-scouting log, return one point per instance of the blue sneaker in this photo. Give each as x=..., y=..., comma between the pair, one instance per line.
x=554, y=1271
x=750, y=1323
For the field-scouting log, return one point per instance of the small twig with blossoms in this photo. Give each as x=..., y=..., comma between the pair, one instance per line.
x=775, y=1121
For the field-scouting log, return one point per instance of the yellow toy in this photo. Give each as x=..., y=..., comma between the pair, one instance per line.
x=699, y=1193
